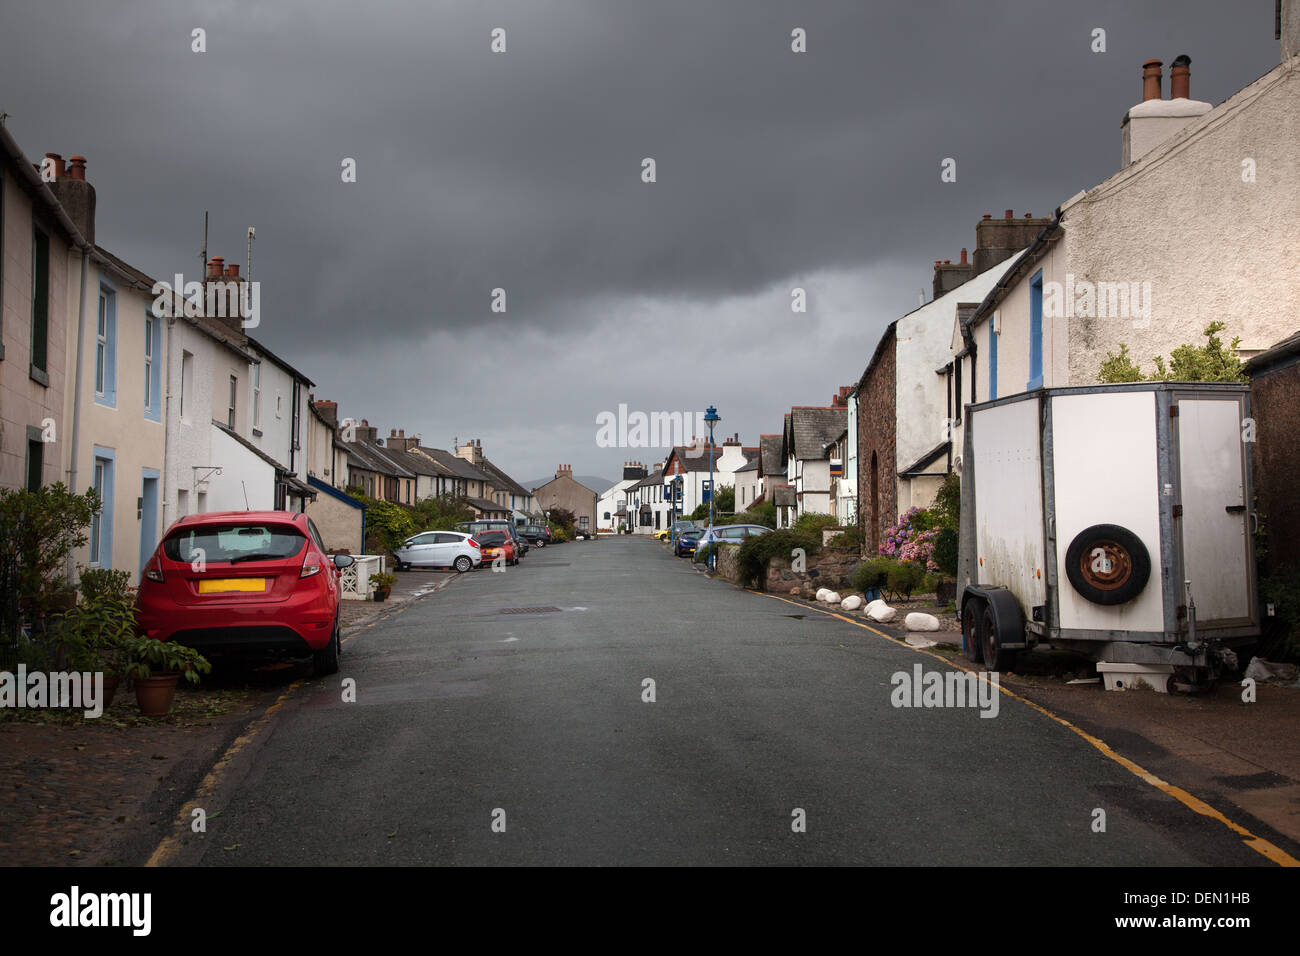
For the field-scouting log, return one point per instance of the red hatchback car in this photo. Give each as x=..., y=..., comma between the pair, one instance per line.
x=246, y=584
x=497, y=545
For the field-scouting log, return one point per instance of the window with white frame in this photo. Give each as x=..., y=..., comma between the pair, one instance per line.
x=257, y=395
x=230, y=411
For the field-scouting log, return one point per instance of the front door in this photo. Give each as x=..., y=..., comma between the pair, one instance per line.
x=1215, y=528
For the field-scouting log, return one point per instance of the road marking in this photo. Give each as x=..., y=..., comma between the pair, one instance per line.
x=170, y=845
x=1269, y=850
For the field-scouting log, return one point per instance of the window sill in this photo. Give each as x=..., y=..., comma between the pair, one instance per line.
x=257, y=433
x=39, y=375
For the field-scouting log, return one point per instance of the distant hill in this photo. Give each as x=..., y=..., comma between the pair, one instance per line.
x=596, y=484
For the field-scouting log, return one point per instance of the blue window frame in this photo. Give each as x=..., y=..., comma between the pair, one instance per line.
x=1035, y=332
x=152, y=367
x=106, y=347
x=101, y=525
x=993, y=363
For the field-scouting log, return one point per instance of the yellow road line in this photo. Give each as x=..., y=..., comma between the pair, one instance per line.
x=1269, y=850
x=171, y=845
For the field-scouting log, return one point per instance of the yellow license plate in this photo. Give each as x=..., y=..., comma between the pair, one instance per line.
x=218, y=585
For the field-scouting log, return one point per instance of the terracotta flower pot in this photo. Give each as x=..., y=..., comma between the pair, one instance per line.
x=154, y=694
x=381, y=594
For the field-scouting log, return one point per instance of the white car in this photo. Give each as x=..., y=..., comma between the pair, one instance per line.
x=439, y=549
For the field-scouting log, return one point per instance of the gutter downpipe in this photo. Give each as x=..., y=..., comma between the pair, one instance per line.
x=76, y=393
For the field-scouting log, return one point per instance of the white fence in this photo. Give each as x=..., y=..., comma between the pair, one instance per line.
x=356, y=578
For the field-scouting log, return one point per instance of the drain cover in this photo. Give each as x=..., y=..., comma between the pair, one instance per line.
x=526, y=610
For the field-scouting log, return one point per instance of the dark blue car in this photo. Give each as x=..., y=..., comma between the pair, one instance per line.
x=687, y=542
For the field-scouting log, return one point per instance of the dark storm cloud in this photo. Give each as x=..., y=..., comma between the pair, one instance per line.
x=522, y=170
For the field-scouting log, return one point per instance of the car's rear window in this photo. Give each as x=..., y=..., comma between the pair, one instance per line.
x=491, y=537
x=233, y=543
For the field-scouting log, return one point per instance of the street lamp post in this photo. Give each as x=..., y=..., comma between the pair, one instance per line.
x=712, y=417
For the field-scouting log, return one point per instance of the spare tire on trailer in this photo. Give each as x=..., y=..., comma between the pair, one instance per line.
x=1107, y=564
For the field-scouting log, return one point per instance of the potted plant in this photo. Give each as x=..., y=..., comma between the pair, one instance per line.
x=157, y=666
x=92, y=633
x=383, y=585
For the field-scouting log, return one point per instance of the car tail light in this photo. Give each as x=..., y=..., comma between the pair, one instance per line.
x=310, y=565
x=473, y=544
x=153, y=570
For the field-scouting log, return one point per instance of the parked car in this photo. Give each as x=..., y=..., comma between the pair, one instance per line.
x=245, y=584
x=521, y=542
x=736, y=533
x=498, y=543
x=662, y=533
x=439, y=549
x=536, y=534
x=584, y=533
x=687, y=541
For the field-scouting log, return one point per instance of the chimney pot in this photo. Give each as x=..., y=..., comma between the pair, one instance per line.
x=77, y=167
x=988, y=215
x=947, y=262
x=963, y=257
x=1029, y=215
x=59, y=167
x=1180, y=78
x=1010, y=214
x=1151, y=80
x=233, y=270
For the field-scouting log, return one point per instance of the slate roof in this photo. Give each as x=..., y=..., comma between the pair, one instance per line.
x=771, y=462
x=503, y=481
x=456, y=465
x=811, y=429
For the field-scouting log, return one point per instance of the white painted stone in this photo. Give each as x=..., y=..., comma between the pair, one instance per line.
x=881, y=612
x=851, y=603
x=822, y=592
x=832, y=597
x=916, y=621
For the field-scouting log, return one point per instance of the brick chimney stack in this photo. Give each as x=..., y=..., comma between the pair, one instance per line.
x=471, y=451
x=75, y=194
x=327, y=410
x=367, y=432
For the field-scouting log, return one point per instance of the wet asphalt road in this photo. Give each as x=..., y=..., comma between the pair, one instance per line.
x=466, y=715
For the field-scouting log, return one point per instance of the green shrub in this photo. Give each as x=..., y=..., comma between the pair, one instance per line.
x=105, y=582
x=93, y=633
x=905, y=577
x=37, y=531
x=702, y=555
x=947, y=502
x=945, y=550
x=872, y=573
x=756, y=552
x=764, y=514
x=901, y=578
x=849, y=538
x=814, y=523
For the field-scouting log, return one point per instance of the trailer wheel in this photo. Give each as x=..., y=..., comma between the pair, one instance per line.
x=1107, y=564
x=972, y=635
x=996, y=658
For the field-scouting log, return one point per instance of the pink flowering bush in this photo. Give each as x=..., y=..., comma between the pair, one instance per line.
x=910, y=540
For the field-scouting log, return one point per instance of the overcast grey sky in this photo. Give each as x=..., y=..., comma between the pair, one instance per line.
x=522, y=170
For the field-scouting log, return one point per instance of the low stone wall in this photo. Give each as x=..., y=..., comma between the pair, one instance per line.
x=829, y=569
x=727, y=564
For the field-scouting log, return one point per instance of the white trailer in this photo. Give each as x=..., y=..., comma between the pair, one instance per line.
x=1113, y=520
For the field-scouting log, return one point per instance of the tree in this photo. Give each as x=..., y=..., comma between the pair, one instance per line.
x=38, y=529
x=1210, y=362
x=562, y=518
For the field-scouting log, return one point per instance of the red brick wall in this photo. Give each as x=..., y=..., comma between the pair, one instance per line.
x=877, y=420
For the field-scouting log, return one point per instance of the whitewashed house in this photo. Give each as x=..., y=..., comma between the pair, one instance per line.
x=1199, y=224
